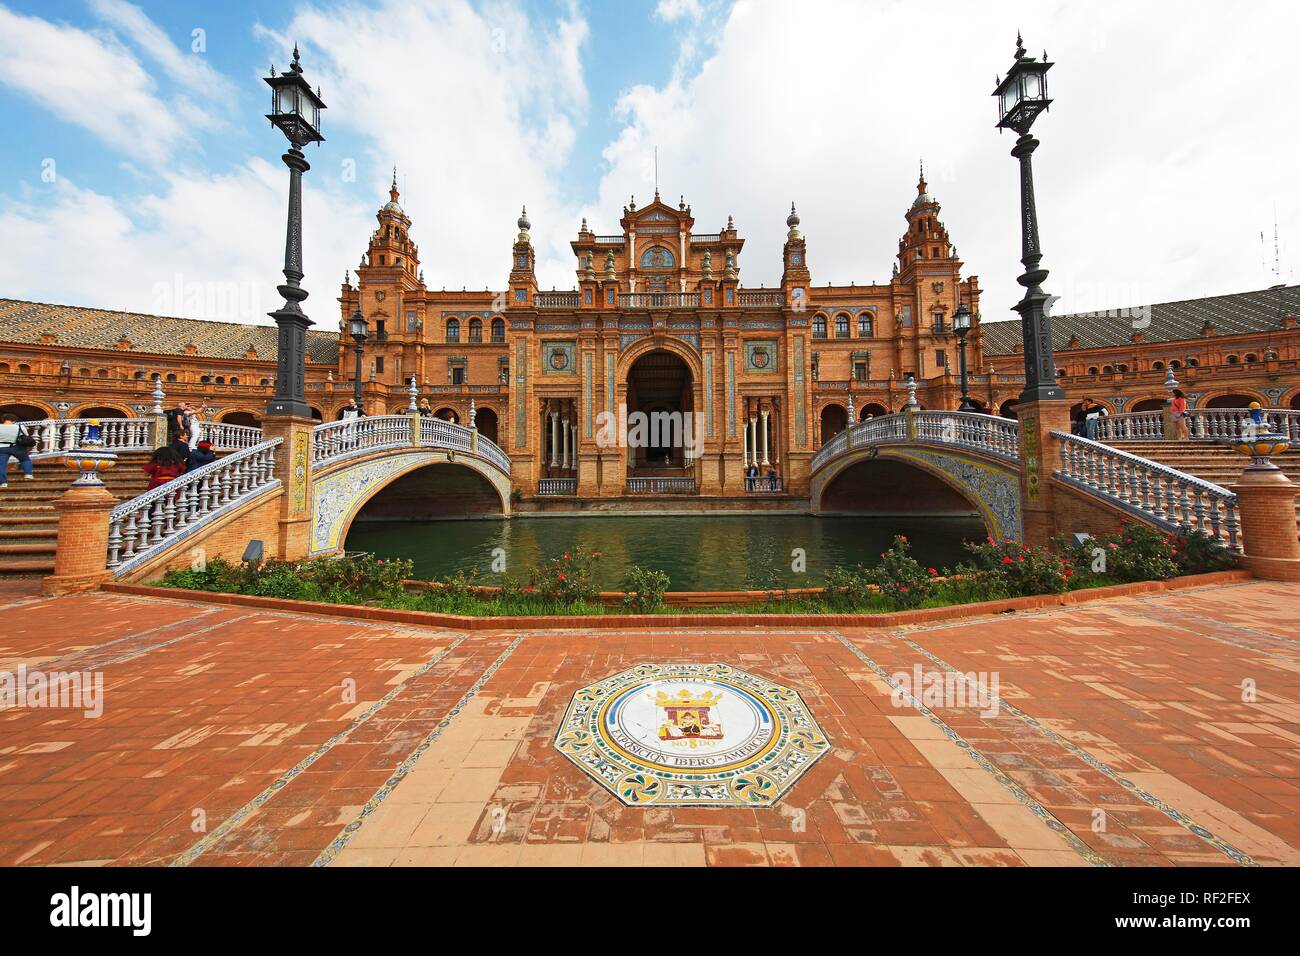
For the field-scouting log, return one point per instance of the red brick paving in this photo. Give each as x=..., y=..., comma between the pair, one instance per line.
x=207, y=707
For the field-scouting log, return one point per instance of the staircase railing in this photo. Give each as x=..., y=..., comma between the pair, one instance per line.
x=144, y=526
x=55, y=436
x=1168, y=498
x=1202, y=423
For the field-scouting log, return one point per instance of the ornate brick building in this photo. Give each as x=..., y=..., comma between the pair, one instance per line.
x=658, y=321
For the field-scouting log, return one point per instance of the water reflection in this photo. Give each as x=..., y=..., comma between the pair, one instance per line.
x=699, y=552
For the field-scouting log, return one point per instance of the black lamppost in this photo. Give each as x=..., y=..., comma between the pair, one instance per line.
x=359, y=331
x=295, y=110
x=961, y=325
x=1021, y=97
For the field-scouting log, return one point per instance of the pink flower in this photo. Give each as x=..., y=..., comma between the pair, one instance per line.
x=902, y=537
x=1114, y=546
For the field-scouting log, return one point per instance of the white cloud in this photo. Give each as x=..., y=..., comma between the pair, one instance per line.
x=672, y=10
x=91, y=80
x=1159, y=163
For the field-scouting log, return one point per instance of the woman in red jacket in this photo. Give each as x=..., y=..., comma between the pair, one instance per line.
x=163, y=467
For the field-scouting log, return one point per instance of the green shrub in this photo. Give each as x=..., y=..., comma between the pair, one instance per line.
x=566, y=579
x=216, y=575
x=1136, y=552
x=1008, y=568
x=1196, y=552
x=359, y=577
x=850, y=586
x=282, y=579
x=645, y=588
x=899, y=577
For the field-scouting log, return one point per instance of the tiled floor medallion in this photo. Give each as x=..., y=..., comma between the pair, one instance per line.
x=691, y=735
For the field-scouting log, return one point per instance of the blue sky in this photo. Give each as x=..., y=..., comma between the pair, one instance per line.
x=139, y=173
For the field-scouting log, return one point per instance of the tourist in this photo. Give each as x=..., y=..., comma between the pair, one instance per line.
x=181, y=449
x=1076, y=419
x=351, y=410
x=201, y=455
x=194, y=430
x=1092, y=413
x=14, y=443
x=426, y=410
x=1178, y=414
x=164, y=466
x=178, y=421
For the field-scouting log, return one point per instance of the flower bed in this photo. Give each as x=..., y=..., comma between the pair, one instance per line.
x=564, y=586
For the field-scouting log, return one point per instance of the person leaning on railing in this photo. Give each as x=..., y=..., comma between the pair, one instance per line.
x=1178, y=414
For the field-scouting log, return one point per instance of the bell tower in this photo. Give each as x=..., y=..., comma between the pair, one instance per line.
x=795, y=277
x=523, y=276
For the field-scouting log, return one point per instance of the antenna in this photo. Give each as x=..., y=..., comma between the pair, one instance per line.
x=656, y=170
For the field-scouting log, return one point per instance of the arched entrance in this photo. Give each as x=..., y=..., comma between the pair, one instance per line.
x=485, y=420
x=872, y=410
x=101, y=411
x=659, y=387
x=447, y=415
x=834, y=419
x=1234, y=400
x=1149, y=405
x=1008, y=408
x=248, y=419
x=24, y=413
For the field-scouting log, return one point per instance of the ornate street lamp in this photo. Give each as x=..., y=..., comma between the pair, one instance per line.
x=961, y=325
x=295, y=110
x=360, y=331
x=1021, y=97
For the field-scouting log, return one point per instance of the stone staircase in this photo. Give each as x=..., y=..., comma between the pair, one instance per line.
x=28, y=521
x=1207, y=460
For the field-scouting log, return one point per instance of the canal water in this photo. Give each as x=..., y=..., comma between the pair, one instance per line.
x=699, y=552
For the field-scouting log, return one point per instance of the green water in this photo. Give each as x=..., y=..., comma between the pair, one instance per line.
x=699, y=552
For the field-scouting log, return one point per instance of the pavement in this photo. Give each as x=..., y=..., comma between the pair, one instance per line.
x=1153, y=731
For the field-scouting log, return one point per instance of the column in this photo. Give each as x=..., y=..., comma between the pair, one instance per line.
x=567, y=430
x=766, y=452
x=744, y=435
x=555, y=435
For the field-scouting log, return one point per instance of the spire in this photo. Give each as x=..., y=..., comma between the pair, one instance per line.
x=1020, y=46
x=295, y=66
x=523, y=224
x=393, y=194
x=792, y=221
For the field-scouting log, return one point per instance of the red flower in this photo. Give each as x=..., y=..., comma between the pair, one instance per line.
x=902, y=537
x=932, y=570
x=1007, y=561
x=528, y=588
x=566, y=556
x=1021, y=559
x=903, y=587
x=561, y=577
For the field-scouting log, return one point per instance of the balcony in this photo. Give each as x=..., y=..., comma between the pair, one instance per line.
x=661, y=486
x=761, y=299
x=552, y=487
x=557, y=300
x=658, y=300
x=763, y=485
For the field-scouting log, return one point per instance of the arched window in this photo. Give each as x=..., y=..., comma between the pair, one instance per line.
x=102, y=373
x=138, y=375
x=1233, y=360
x=1193, y=363
x=819, y=326
x=1252, y=357
x=1107, y=369
x=4, y=366
x=1123, y=368
x=234, y=381
x=171, y=376
x=866, y=328
x=1175, y=365
x=265, y=381
x=453, y=330
x=1092, y=370
x=498, y=330
x=841, y=326
x=24, y=369
x=476, y=329
x=1158, y=366
x=205, y=379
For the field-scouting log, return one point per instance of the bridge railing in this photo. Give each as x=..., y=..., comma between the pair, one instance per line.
x=990, y=434
x=226, y=437
x=1202, y=423
x=336, y=441
x=1170, y=499
x=145, y=525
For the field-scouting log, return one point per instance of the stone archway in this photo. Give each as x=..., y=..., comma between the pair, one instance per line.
x=102, y=411
x=1233, y=400
x=247, y=419
x=487, y=423
x=832, y=420
x=661, y=388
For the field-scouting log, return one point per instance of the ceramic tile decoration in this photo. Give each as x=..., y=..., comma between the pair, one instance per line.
x=691, y=735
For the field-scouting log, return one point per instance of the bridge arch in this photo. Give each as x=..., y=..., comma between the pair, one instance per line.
x=340, y=493
x=991, y=489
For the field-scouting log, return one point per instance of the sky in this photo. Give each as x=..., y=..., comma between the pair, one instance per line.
x=139, y=173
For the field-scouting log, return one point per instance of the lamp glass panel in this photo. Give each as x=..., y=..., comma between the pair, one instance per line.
x=1033, y=86
x=1009, y=97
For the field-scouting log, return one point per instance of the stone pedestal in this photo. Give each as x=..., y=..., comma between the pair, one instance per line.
x=710, y=472
x=293, y=468
x=81, y=551
x=1040, y=455
x=1266, y=506
x=588, y=474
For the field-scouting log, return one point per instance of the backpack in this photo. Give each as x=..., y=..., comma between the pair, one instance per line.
x=24, y=440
